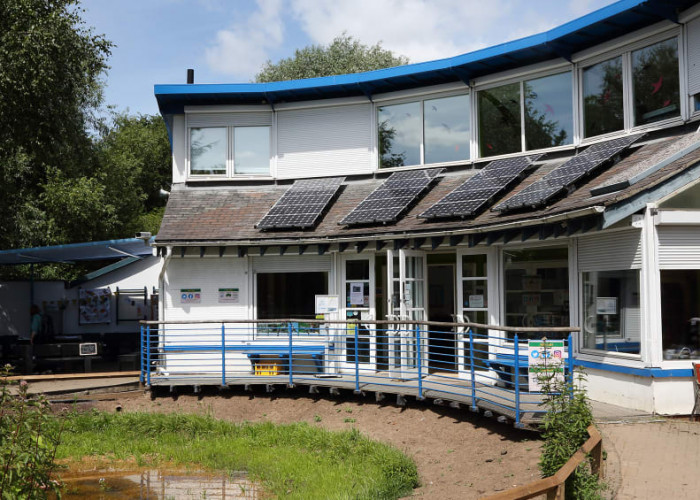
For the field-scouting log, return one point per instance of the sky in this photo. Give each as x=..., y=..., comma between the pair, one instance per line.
x=227, y=41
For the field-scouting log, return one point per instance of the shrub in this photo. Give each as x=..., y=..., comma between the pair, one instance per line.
x=564, y=430
x=29, y=435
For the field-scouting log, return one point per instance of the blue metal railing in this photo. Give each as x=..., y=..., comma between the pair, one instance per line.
x=463, y=362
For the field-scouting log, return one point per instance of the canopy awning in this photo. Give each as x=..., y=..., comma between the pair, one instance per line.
x=76, y=252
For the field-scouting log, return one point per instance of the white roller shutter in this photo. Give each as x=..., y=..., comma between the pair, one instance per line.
x=693, y=38
x=610, y=252
x=256, y=119
x=324, y=141
x=292, y=263
x=679, y=247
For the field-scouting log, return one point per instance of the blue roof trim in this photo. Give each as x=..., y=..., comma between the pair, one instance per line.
x=92, y=250
x=640, y=372
x=592, y=29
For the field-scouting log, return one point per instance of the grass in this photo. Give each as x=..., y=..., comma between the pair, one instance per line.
x=289, y=461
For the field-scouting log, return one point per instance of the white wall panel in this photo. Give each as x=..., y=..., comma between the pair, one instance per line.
x=693, y=45
x=292, y=263
x=610, y=252
x=679, y=247
x=324, y=141
x=256, y=119
x=209, y=275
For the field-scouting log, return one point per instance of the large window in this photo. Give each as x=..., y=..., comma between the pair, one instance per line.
x=222, y=151
x=208, y=151
x=537, y=289
x=431, y=131
x=611, y=315
x=654, y=84
x=680, y=314
x=289, y=295
x=543, y=104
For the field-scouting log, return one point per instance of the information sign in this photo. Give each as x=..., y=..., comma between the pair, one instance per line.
x=545, y=359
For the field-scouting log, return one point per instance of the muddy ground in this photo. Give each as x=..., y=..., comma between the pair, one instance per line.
x=460, y=455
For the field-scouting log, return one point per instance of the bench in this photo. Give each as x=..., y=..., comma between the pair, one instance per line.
x=255, y=352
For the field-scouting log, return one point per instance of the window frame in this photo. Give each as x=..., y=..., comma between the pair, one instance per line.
x=230, y=156
x=421, y=98
x=625, y=53
x=521, y=78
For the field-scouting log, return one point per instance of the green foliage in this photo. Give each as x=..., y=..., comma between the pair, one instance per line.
x=290, y=461
x=29, y=434
x=565, y=430
x=342, y=56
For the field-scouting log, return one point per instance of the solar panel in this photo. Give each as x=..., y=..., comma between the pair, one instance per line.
x=387, y=202
x=477, y=191
x=561, y=178
x=302, y=204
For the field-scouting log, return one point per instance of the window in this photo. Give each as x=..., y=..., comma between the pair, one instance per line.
x=656, y=82
x=289, y=295
x=680, y=314
x=655, y=87
x=611, y=314
x=537, y=289
x=210, y=153
x=602, y=98
x=208, y=147
x=251, y=150
x=499, y=120
x=475, y=297
x=546, y=105
x=696, y=98
x=431, y=131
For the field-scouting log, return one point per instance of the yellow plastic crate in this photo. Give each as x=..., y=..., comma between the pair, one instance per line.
x=267, y=369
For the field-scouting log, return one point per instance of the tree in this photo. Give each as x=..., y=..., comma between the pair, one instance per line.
x=50, y=70
x=343, y=55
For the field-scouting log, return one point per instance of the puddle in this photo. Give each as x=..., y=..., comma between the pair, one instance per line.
x=159, y=485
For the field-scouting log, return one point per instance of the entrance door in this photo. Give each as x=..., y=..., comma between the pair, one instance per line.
x=442, y=350
x=406, y=271
x=358, y=299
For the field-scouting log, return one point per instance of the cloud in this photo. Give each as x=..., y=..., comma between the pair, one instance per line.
x=241, y=50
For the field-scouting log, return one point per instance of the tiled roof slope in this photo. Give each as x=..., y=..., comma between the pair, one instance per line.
x=229, y=214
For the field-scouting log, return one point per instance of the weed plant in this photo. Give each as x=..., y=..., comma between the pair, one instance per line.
x=29, y=435
x=564, y=431
x=289, y=461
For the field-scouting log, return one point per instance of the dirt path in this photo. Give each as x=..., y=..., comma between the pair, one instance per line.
x=459, y=455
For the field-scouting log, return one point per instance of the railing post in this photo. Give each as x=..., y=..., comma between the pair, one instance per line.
x=419, y=360
x=570, y=364
x=223, y=355
x=148, y=355
x=471, y=369
x=141, y=356
x=516, y=379
x=357, y=359
x=291, y=352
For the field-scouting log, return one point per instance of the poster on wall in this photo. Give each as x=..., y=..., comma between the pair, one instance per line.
x=94, y=306
x=190, y=295
x=229, y=296
x=545, y=360
x=357, y=293
x=326, y=304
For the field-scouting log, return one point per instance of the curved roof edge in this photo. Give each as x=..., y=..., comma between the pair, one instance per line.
x=560, y=42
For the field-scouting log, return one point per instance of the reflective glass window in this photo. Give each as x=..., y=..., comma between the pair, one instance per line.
x=251, y=150
x=602, y=98
x=400, y=135
x=549, y=118
x=656, y=82
x=446, y=123
x=680, y=314
x=499, y=120
x=612, y=318
x=208, y=151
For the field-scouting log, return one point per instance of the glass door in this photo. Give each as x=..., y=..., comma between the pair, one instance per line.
x=406, y=273
x=473, y=294
x=358, y=301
